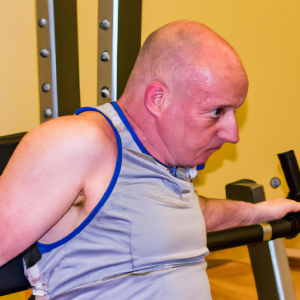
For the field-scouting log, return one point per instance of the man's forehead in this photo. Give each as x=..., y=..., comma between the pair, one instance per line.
x=218, y=96
x=210, y=89
x=211, y=105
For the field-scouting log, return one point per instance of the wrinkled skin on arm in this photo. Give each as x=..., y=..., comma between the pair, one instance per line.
x=223, y=214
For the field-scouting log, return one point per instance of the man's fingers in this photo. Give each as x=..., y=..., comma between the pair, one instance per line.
x=285, y=206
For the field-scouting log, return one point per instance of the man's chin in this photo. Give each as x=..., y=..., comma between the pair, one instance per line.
x=201, y=159
x=205, y=156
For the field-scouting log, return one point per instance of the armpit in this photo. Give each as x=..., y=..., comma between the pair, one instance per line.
x=80, y=199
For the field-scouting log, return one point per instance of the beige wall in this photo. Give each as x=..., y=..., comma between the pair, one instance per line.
x=19, y=102
x=87, y=40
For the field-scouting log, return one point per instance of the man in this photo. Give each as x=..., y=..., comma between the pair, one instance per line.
x=146, y=237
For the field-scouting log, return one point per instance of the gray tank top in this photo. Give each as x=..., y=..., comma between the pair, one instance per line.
x=145, y=239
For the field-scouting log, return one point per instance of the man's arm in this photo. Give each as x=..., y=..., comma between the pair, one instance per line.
x=223, y=214
x=49, y=168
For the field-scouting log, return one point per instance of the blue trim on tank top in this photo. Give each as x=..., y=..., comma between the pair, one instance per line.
x=135, y=137
x=48, y=247
x=129, y=127
x=132, y=132
x=200, y=167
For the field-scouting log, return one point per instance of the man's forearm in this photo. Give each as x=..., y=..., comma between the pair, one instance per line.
x=223, y=214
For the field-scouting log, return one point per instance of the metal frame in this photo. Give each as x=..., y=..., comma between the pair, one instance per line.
x=268, y=259
x=118, y=47
x=57, y=43
x=107, y=54
x=121, y=39
x=67, y=62
x=46, y=61
x=129, y=40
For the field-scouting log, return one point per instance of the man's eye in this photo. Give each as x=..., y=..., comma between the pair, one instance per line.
x=217, y=111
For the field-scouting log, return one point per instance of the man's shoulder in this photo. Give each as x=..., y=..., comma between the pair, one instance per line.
x=87, y=133
x=50, y=167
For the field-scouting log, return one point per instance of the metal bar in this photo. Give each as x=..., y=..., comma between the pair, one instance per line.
x=114, y=62
x=57, y=58
x=262, y=267
x=46, y=60
x=129, y=40
x=107, y=56
x=119, y=42
x=267, y=268
x=276, y=284
x=53, y=58
x=67, y=64
x=282, y=274
x=246, y=235
x=292, y=174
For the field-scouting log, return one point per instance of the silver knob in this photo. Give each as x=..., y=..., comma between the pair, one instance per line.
x=105, y=56
x=42, y=23
x=47, y=113
x=105, y=92
x=46, y=87
x=105, y=24
x=275, y=182
x=44, y=53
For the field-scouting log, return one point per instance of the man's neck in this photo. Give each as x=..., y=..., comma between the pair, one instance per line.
x=145, y=128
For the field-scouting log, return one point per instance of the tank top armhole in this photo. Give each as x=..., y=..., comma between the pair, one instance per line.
x=43, y=248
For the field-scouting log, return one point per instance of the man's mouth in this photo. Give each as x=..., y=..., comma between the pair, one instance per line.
x=215, y=148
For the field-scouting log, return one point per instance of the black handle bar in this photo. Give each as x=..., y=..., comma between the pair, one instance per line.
x=292, y=174
x=287, y=227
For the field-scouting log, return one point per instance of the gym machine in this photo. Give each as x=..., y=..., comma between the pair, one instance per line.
x=267, y=253
x=119, y=41
x=119, y=33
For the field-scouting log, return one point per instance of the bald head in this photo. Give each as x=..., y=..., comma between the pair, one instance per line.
x=185, y=71
x=180, y=51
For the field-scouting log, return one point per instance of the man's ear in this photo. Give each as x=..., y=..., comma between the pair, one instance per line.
x=155, y=96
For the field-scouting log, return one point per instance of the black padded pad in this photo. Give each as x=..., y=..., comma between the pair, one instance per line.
x=12, y=277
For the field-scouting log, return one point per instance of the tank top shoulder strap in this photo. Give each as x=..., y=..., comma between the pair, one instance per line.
x=129, y=127
x=112, y=111
x=43, y=248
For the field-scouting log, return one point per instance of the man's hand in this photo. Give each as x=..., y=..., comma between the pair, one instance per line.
x=223, y=214
x=275, y=209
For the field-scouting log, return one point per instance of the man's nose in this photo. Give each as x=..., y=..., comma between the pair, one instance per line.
x=228, y=130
